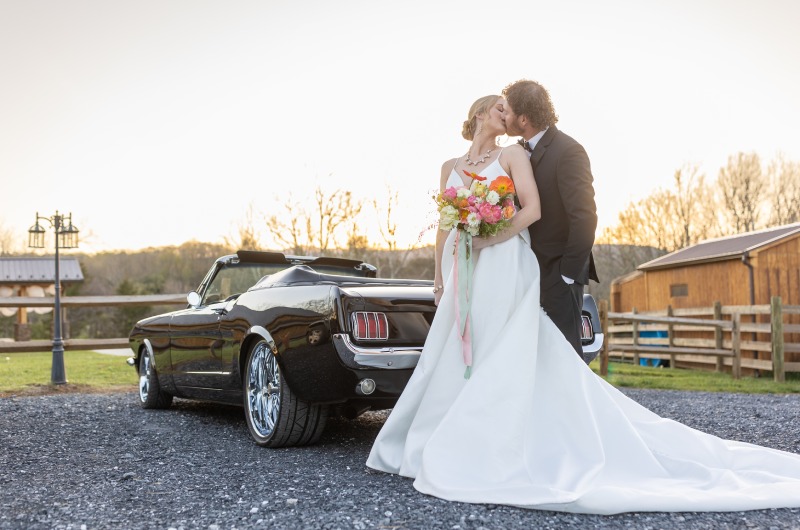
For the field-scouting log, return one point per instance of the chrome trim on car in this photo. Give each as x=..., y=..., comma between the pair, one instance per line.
x=595, y=346
x=377, y=318
x=383, y=357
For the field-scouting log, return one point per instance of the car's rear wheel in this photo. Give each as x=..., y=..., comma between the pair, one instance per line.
x=275, y=416
x=150, y=394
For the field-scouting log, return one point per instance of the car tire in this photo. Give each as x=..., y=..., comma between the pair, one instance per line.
x=275, y=416
x=150, y=394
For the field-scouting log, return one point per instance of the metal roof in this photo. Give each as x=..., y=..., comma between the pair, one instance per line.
x=39, y=270
x=723, y=248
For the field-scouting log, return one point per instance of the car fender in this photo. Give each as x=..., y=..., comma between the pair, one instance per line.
x=254, y=334
x=164, y=376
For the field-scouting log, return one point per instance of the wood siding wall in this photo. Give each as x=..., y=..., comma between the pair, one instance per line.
x=776, y=272
x=724, y=281
x=625, y=296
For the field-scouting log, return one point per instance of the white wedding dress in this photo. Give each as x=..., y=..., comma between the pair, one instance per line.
x=535, y=427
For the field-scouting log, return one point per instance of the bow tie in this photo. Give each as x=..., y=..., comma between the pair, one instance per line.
x=525, y=145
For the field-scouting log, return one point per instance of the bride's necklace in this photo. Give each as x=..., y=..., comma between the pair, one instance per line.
x=481, y=160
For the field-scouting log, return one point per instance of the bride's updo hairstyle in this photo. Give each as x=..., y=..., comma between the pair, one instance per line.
x=479, y=107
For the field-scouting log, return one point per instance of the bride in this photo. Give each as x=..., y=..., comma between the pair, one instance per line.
x=533, y=426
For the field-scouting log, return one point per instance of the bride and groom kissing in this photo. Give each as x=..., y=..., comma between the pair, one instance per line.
x=532, y=425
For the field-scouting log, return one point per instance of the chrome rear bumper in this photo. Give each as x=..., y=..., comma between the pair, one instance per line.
x=379, y=357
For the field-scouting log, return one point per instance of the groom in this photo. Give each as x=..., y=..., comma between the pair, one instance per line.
x=562, y=239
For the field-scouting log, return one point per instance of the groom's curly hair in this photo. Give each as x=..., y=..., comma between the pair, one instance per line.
x=530, y=99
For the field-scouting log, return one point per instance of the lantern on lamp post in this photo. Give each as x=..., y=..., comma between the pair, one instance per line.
x=66, y=237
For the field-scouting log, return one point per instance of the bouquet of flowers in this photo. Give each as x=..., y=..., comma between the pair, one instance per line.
x=477, y=210
x=480, y=209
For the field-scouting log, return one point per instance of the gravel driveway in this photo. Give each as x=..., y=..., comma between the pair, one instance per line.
x=99, y=461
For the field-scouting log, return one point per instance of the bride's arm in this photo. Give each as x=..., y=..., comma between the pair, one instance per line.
x=519, y=169
x=441, y=238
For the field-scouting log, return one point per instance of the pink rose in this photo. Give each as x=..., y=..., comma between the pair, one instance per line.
x=490, y=213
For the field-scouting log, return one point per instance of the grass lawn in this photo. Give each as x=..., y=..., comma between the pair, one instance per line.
x=87, y=371
x=629, y=375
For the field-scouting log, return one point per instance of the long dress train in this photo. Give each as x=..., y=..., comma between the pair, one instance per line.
x=535, y=427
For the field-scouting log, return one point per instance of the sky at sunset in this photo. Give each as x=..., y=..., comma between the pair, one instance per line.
x=161, y=121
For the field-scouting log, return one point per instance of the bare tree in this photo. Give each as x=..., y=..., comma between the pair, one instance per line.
x=659, y=215
x=330, y=212
x=627, y=231
x=316, y=227
x=784, y=191
x=290, y=230
x=742, y=186
x=695, y=213
x=8, y=241
x=245, y=237
x=647, y=222
x=387, y=224
x=668, y=219
x=357, y=242
x=394, y=260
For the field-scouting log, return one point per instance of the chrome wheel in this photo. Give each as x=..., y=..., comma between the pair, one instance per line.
x=145, y=372
x=275, y=416
x=150, y=394
x=263, y=391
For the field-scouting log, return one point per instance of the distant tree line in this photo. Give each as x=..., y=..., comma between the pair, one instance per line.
x=171, y=270
x=747, y=194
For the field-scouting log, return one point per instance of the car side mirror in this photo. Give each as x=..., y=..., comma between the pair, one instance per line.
x=193, y=298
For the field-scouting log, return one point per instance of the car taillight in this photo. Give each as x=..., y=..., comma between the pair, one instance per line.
x=370, y=325
x=586, y=328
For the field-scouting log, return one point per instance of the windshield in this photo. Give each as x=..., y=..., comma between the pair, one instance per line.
x=233, y=280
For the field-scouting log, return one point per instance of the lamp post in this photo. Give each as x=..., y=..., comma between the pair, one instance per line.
x=66, y=237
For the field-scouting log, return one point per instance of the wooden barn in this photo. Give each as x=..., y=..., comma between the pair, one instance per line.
x=739, y=274
x=744, y=269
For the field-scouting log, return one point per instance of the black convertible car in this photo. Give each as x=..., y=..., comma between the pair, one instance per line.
x=293, y=339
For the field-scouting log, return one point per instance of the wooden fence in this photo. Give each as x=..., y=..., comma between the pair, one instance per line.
x=83, y=301
x=729, y=331
x=704, y=336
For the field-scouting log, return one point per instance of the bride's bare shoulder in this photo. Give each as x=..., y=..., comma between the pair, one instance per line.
x=516, y=151
x=514, y=155
x=447, y=167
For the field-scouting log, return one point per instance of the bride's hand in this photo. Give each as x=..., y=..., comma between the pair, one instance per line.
x=479, y=242
x=437, y=297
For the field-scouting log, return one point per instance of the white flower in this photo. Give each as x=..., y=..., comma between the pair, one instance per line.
x=473, y=224
x=449, y=211
x=492, y=197
x=448, y=217
x=463, y=193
